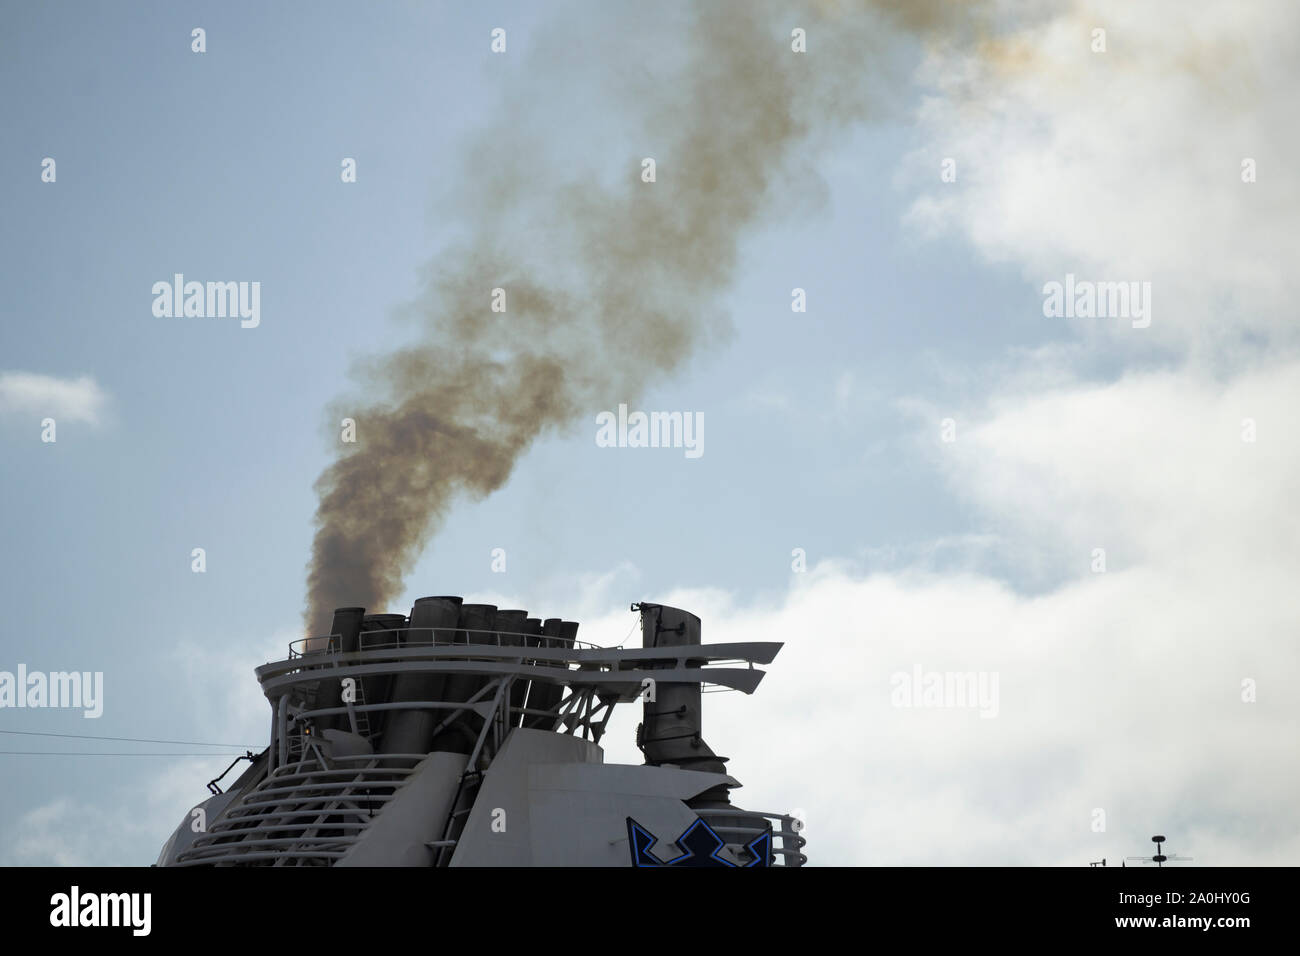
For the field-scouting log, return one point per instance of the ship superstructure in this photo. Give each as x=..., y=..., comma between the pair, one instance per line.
x=467, y=735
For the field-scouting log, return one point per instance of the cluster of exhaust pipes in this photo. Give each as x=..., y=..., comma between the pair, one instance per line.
x=668, y=736
x=442, y=621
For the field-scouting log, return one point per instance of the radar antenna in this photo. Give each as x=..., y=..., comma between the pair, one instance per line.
x=1159, y=859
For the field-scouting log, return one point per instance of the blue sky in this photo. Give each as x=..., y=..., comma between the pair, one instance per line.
x=821, y=428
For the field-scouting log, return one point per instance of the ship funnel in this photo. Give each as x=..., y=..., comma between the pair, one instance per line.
x=402, y=741
x=670, y=733
x=433, y=622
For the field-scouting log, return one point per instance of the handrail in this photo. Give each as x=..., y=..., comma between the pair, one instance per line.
x=401, y=638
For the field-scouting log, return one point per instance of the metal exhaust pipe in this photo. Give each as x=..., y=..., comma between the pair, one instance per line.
x=433, y=621
x=542, y=695
x=344, y=633
x=378, y=630
x=510, y=631
x=474, y=626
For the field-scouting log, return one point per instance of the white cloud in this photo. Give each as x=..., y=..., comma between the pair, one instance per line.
x=1119, y=690
x=72, y=399
x=1126, y=165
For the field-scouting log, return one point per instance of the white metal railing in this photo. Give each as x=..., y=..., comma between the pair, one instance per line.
x=395, y=637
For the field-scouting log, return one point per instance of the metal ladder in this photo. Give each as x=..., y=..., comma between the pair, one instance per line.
x=446, y=847
x=360, y=717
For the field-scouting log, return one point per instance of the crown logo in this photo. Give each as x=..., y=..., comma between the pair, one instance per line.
x=700, y=846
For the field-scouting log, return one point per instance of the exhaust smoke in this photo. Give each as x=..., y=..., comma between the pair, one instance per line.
x=607, y=289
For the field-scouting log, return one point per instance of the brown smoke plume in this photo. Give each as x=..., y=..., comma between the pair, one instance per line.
x=606, y=288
